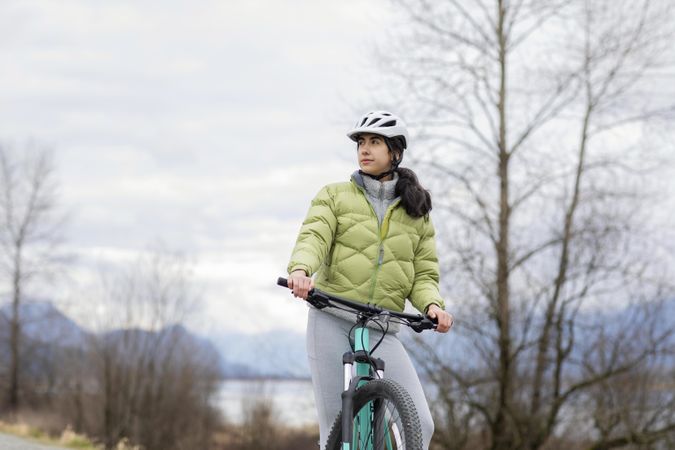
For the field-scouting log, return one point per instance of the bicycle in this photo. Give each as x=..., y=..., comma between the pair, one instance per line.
x=377, y=413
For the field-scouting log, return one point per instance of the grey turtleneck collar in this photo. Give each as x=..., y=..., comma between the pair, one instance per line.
x=380, y=194
x=381, y=189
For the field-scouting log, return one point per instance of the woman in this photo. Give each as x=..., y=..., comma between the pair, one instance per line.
x=370, y=240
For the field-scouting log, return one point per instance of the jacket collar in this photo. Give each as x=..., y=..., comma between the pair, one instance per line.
x=361, y=181
x=357, y=178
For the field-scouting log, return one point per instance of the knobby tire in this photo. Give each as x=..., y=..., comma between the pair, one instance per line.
x=403, y=430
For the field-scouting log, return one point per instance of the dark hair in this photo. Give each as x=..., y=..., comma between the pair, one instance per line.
x=414, y=198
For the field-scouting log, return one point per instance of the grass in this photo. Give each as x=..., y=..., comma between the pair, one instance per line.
x=68, y=439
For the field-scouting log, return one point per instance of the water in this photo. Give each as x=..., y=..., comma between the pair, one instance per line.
x=292, y=400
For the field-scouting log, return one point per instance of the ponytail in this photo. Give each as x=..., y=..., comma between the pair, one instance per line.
x=414, y=198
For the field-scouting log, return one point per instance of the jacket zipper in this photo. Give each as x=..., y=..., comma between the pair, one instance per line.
x=383, y=229
x=380, y=252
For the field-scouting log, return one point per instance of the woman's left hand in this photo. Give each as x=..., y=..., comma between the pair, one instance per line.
x=445, y=319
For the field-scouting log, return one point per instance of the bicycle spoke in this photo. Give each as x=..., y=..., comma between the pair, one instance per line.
x=383, y=432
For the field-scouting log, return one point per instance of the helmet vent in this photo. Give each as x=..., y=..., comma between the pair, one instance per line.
x=391, y=123
x=374, y=121
x=363, y=121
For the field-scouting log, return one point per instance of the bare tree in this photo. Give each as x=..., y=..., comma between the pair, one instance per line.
x=538, y=119
x=635, y=407
x=150, y=380
x=30, y=229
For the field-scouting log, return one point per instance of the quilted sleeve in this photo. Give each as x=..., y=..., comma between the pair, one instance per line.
x=425, y=285
x=316, y=235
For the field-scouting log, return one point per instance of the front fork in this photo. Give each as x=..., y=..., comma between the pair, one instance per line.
x=352, y=383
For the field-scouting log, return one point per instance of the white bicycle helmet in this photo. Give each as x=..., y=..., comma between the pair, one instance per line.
x=383, y=123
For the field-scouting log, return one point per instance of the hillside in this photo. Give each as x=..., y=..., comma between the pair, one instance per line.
x=272, y=354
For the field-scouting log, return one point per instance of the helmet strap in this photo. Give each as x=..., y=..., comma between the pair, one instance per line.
x=394, y=168
x=380, y=176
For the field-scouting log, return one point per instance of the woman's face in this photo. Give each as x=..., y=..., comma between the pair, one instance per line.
x=373, y=154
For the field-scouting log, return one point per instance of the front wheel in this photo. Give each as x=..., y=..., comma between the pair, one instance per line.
x=393, y=423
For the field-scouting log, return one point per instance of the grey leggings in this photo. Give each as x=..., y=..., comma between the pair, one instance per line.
x=327, y=341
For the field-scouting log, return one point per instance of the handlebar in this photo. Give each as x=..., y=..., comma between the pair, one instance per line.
x=320, y=300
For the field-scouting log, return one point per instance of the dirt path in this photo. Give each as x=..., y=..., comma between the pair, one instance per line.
x=9, y=442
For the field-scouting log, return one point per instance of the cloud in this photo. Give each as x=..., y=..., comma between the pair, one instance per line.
x=209, y=127
x=239, y=230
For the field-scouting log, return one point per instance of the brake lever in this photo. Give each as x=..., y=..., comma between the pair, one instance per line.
x=425, y=324
x=313, y=297
x=317, y=300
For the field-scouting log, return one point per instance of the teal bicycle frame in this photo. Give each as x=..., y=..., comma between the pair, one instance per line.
x=362, y=337
x=362, y=429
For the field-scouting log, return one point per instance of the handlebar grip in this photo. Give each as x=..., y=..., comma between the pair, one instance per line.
x=282, y=282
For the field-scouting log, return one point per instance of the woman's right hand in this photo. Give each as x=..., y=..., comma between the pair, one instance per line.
x=300, y=283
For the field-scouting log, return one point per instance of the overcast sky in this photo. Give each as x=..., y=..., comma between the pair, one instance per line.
x=208, y=126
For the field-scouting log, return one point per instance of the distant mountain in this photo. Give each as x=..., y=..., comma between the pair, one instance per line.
x=43, y=322
x=272, y=354
x=278, y=353
x=46, y=334
x=45, y=325
x=462, y=349
x=172, y=340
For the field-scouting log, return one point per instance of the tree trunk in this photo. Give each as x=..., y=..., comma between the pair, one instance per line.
x=502, y=437
x=15, y=340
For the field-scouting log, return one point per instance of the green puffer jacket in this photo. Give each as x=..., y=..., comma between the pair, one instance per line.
x=357, y=259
